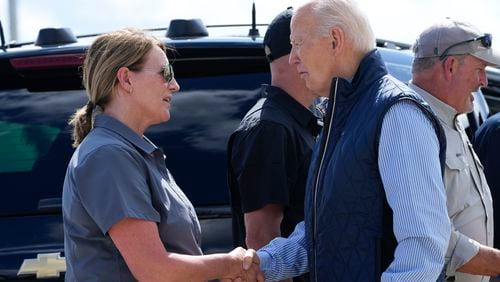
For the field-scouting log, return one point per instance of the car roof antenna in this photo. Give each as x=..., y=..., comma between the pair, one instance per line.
x=253, y=31
x=2, y=37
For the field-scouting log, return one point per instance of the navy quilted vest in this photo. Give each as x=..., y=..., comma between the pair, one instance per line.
x=348, y=222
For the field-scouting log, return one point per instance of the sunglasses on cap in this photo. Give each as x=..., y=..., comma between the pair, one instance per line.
x=486, y=41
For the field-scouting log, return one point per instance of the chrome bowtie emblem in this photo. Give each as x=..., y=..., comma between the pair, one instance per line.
x=44, y=266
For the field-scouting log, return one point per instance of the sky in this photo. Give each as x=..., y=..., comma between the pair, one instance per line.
x=396, y=20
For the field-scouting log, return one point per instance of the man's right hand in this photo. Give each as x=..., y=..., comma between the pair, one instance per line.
x=244, y=266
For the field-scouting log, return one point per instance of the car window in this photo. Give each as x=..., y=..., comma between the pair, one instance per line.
x=35, y=144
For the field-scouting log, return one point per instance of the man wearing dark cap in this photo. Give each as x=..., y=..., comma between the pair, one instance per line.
x=450, y=61
x=269, y=153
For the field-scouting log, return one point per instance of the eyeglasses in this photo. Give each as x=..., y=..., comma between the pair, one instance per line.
x=486, y=41
x=167, y=72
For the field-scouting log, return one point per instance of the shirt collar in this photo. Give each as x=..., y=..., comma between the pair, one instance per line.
x=300, y=113
x=112, y=124
x=445, y=112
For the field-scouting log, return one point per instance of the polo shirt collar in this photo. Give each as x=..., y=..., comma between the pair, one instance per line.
x=112, y=124
x=301, y=114
x=445, y=112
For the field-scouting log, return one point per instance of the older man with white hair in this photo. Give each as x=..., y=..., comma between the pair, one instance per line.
x=375, y=199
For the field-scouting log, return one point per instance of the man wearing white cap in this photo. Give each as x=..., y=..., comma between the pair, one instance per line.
x=450, y=61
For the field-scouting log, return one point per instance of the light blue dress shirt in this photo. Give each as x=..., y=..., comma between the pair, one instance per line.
x=411, y=173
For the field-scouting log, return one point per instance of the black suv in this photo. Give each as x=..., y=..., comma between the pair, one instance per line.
x=40, y=87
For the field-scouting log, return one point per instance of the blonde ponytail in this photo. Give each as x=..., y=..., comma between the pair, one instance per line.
x=82, y=123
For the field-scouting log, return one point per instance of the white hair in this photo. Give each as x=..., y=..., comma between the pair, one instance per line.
x=347, y=15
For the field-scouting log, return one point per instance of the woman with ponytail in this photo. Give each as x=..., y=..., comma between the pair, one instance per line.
x=125, y=218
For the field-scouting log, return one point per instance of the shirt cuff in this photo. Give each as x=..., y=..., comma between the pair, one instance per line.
x=266, y=261
x=465, y=249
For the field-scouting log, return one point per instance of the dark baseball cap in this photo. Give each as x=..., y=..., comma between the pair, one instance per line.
x=277, y=38
x=451, y=37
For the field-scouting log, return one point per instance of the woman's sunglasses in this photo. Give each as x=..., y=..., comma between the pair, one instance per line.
x=168, y=73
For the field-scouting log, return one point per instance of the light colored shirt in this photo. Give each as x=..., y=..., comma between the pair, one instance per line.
x=468, y=195
x=411, y=173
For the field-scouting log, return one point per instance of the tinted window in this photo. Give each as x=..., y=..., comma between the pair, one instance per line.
x=218, y=86
x=35, y=147
x=195, y=138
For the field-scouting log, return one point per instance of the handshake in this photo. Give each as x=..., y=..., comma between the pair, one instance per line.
x=244, y=266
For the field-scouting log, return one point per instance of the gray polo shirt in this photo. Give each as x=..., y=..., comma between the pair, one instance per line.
x=116, y=174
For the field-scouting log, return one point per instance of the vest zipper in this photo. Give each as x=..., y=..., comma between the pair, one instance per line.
x=315, y=190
